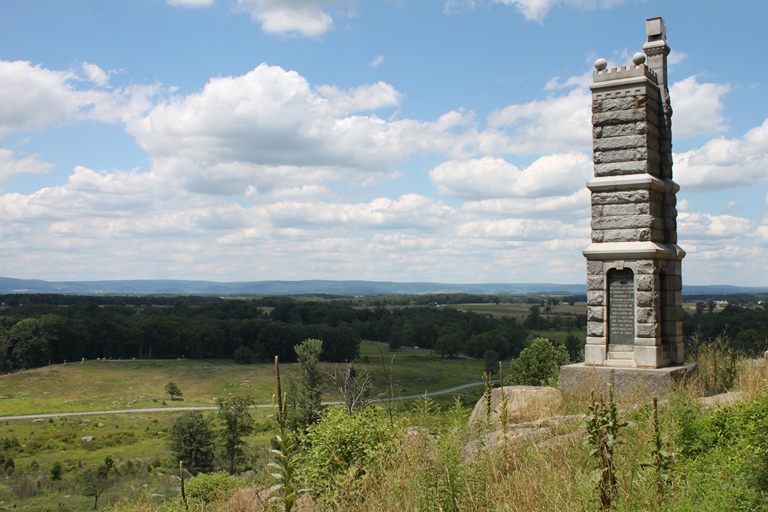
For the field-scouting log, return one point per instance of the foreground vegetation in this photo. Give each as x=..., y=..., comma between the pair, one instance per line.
x=423, y=457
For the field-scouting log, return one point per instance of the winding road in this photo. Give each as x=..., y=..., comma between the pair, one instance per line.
x=205, y=408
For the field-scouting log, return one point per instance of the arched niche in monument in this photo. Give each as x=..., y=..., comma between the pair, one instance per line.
x=621, y=308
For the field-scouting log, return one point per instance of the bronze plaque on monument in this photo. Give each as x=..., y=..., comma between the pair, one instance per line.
x=621, y=307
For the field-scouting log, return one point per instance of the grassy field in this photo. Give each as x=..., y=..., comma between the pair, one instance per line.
x=115, y=385
x=138, y=442
x=522, y=310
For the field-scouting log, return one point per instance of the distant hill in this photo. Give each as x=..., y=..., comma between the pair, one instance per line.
x=182, y=287
x=310, y=287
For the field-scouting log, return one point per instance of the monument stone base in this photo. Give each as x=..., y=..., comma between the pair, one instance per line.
x=627, y=383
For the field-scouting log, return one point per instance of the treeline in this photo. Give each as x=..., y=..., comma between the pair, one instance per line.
x=37, y=334
x=744, y=327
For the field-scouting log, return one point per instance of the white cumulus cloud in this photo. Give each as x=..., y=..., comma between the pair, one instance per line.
x=697, y=107
x=725, y=163
x=308, y=18
x=556, y=124
x=538, y=9
x=32, y=97
x=489, y=177
x=30, y=164
x=272, y=122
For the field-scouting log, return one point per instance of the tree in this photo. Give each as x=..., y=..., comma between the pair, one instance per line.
x=238, y=423
x=306, y=392
x=574, y=347
x=95, y=482
x=29, y=342
x=172, y=389
x=491, y=358
x=355, y=387
x=192, y=442
x=450, y=343
x=534, y=319
x=537, y=365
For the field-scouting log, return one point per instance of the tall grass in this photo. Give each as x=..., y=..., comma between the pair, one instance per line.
x=716, y=360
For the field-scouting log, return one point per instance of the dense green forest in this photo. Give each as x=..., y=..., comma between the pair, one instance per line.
x=42, y=328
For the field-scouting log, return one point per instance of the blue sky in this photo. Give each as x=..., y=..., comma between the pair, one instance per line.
x=390, y=140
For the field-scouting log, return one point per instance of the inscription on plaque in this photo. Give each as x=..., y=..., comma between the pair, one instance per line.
x=621, y=307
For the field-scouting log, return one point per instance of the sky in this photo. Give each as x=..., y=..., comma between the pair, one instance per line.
x=386, y=140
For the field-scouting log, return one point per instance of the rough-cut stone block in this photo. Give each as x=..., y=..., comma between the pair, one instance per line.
x=595, y=298
x=595, y=329
x=621, y=197
x=617, y=209
x=596, y=283
x=625, y=142
x=620, y=235
x=621, y=168
x=620, y=155
x=620, y=117
x=619, y=130
x=648, y=299
x=628, y=222
x=645, y=282
x=595, y=314
x=616, y=104
x=646, y=267
x=594, y=268
x=646, y=315
x=648, y=330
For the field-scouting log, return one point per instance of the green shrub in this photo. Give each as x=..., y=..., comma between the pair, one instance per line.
x=213, y=487
x=538, y=365
x=341, y=443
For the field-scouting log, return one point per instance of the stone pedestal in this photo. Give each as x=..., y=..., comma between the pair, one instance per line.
x=627, y=383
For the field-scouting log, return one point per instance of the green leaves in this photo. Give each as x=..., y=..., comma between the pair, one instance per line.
x=603, y=427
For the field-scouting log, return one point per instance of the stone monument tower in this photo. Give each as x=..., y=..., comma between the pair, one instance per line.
x=634, y=283
x=634, y=280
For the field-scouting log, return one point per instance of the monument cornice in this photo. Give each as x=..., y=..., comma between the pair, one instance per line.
x=633, y=251
x=631, y=182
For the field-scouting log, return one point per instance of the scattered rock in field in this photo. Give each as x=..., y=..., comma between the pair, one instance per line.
x=38, y=420
x=87, y=439
x=721, y=398
x=524, y=403
x=100, y=425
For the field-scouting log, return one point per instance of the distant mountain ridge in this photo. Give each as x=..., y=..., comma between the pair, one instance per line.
x=308, y=287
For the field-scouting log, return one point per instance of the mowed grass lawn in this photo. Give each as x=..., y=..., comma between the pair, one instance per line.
x=127, y=384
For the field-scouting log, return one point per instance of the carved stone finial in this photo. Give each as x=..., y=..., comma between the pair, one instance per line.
x=638, y=58
x=601, y=64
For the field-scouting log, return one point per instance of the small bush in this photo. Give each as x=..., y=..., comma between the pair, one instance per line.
x=538, y=365
x=57, y=468
x=213, y=487
x=341, y=443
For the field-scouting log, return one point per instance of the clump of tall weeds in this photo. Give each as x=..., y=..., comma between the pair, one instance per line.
x=286, y=452
x=716, y=360
x=603, y=427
